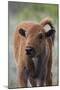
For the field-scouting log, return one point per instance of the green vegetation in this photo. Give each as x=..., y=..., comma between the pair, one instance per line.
x=36, y=11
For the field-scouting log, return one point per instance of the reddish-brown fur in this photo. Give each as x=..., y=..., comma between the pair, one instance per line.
x=20, y=44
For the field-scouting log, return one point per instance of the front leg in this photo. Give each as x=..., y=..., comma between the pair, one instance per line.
x=43, y=76
x=49, y=73
x=22, y=78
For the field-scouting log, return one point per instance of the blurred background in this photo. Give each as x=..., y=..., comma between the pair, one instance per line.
x=20, y=11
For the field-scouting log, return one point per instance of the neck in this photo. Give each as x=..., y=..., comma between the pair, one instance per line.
x=39, y=62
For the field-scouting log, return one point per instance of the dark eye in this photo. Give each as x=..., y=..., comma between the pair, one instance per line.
x=40, y=36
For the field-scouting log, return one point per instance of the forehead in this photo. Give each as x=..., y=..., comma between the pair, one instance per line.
x=30, y=27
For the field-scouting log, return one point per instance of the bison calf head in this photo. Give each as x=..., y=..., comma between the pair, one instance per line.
x=35, y=37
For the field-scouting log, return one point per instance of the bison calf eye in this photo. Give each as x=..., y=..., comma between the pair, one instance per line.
x=40, y=35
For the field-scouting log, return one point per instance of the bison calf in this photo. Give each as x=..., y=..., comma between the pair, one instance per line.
x=33, y=52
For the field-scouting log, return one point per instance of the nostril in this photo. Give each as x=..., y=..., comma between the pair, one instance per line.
x=28, y=50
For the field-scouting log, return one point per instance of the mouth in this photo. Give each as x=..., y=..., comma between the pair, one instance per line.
x=32, y=54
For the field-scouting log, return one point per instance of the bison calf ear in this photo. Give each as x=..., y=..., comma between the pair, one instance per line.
x=50, y=33
x=22, y=32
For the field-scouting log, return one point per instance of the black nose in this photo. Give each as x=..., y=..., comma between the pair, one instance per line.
x=29, y=50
